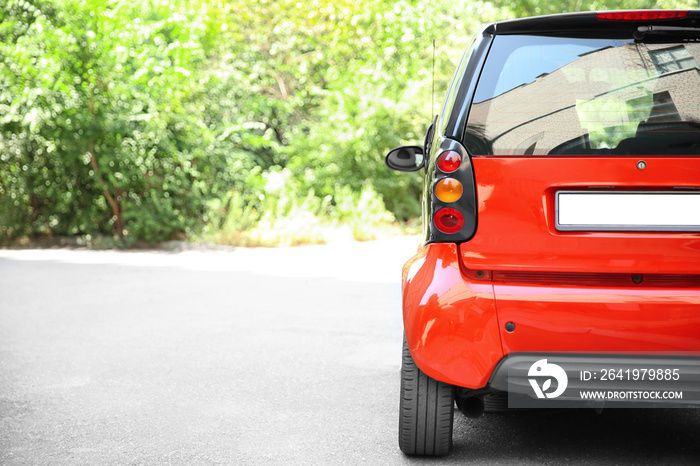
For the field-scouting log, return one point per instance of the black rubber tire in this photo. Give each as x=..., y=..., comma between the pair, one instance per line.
x=426, y=411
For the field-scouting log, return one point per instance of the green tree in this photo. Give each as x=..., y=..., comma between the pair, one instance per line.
x=103, y=127
x=159, y=119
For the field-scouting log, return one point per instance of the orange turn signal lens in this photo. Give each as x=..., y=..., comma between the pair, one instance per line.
x=448, y=190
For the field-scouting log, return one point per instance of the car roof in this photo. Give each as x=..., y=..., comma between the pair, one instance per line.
x=589, y=23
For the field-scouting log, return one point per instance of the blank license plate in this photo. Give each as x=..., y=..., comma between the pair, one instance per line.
x=627, y=211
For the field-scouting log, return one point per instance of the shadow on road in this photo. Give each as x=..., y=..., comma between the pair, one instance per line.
x=616, y=436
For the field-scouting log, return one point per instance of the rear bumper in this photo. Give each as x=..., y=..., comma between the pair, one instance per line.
x=613, y=379
x=450, y=320
x=455, y=318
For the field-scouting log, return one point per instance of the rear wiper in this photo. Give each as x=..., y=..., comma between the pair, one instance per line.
x=643, y=31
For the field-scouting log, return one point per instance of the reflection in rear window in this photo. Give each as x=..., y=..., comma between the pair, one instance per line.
x=567, y=96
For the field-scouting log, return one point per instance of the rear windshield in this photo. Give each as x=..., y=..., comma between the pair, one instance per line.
x=568, y=96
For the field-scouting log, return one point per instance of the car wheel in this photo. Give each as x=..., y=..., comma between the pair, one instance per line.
x=426, y=411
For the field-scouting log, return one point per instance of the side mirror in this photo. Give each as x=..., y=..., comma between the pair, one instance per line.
x=405, y=159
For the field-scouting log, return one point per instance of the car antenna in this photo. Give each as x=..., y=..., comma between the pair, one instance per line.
x=432, y=96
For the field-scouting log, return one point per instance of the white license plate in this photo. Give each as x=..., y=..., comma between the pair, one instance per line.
x=627, y=211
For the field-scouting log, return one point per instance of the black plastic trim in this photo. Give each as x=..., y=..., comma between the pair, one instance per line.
x=457, y=120
x=467, y=204
x=689, y=365
x=584, y=24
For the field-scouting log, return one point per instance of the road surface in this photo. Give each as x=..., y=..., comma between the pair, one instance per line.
x=251, y=356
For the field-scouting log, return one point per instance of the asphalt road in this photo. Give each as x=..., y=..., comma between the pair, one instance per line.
x=251, y=356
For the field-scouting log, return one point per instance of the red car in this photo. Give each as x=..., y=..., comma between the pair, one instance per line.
x=561, y=212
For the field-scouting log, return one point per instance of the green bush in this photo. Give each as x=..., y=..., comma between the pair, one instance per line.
x=242, y=122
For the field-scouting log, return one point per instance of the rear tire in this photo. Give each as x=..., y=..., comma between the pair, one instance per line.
x=426, y=411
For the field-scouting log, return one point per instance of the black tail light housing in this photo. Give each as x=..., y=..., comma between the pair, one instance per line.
x=450, y=190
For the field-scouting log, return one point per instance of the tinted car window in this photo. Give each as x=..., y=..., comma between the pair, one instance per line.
x=572, y=96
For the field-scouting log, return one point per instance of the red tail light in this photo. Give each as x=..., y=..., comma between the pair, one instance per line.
x=452, y=210
x=642, y=15
x=448, y=220
x=449, y=161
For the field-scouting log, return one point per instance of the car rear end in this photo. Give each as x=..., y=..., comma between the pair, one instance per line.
x=569, y=230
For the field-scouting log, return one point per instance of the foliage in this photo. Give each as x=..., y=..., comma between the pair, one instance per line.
x=101, y=130
x=262, y=122
x=534, y=7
